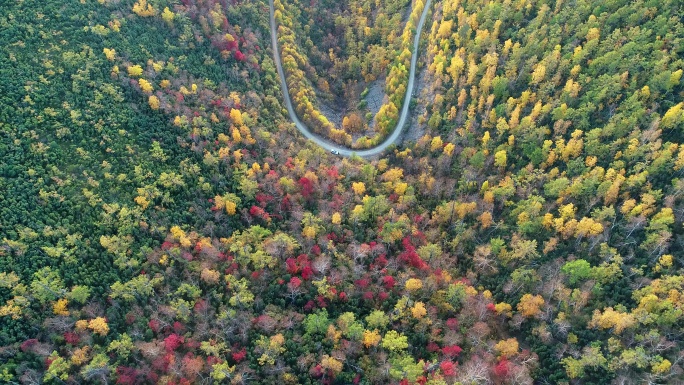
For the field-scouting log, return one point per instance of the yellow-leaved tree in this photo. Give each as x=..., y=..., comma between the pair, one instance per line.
x=331, y=364
x=135, y=71
x=154, y=102
x=143, y=9
x=507, y=348
x=99, y=326
x=371, y=338
x=530, y=305
x=168, y=16
x=359, y=188
x=145, y=86
x=414, y=284
x=110, y=54
x=418, y=310
x=60, y=307
x=618, y=321
x=236, y=117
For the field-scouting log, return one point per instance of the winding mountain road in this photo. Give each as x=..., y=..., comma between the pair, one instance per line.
x=326, y=144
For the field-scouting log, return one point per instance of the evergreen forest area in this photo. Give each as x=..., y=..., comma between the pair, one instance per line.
x=164, y=221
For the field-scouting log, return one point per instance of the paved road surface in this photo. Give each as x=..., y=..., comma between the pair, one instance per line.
x=326, y=144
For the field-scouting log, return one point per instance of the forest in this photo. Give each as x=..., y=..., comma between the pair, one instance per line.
x=163, y=221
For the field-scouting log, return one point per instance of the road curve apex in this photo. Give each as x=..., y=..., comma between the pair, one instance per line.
x=324, y=143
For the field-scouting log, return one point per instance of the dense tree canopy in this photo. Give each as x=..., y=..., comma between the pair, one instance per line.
x=163, y=222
